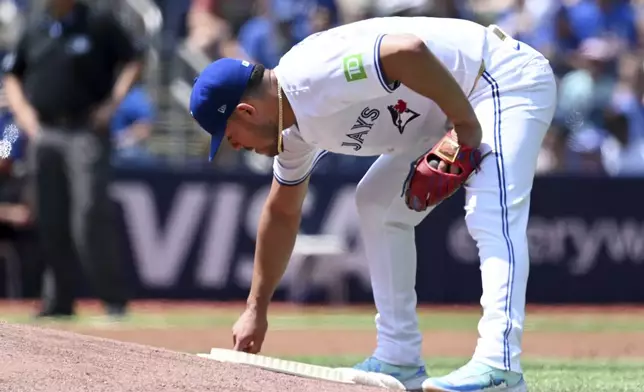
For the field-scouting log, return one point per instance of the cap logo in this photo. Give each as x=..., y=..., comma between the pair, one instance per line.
x=245, y=63
x=222, y=109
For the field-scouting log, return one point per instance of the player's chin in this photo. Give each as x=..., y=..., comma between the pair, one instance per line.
x=269, y=152
x=264, y=153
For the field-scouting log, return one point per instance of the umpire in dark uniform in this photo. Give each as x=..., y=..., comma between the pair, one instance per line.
x=66, y=77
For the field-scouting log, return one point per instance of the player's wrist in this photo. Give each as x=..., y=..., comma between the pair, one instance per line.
x=468, y=134
x=257, y=305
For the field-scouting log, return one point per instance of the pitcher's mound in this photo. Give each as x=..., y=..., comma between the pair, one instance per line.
x=39, y=359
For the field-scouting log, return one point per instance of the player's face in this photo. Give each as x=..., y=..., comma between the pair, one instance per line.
x=255, y=135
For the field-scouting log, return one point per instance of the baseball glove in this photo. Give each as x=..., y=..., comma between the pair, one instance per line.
x=427, y=186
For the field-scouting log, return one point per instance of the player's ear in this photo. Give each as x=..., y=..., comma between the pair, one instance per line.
x=245, y=111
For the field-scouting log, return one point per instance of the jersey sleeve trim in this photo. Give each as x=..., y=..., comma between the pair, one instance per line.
x=317, y=159
x=377, y=63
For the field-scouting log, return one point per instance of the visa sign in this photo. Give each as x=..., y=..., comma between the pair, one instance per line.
x=211, y=221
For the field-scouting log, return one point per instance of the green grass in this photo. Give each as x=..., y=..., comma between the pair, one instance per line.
x=541, y=375
x=436, y=321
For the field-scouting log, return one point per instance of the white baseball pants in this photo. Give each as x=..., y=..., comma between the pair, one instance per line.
x=515, y=102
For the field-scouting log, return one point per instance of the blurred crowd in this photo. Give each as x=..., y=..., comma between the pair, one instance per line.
x=594, y=46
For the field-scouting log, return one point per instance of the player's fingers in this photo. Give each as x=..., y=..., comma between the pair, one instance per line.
x=454, y=169
x=442, y=166
x=241, y=344
x=254, y=348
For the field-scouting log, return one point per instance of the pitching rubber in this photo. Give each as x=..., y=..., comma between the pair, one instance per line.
x=339, y=375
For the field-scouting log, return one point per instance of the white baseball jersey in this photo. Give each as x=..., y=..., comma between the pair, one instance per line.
x=342, y=103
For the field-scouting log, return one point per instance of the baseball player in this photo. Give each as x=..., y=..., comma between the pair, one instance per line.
x=445, y=103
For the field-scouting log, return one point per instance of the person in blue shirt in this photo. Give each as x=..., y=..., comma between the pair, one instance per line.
x=530, y=21
x=284, y=23
x=14, y=210
x=131, y=126
x=615, y=19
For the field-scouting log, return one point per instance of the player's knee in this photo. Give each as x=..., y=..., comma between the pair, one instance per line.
x=367, y=201
x=362, y=198
x=476, y=225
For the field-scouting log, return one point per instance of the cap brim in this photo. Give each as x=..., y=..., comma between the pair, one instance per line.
x=215, y=142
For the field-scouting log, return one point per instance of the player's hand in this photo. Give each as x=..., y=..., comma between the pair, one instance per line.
x=249, y=331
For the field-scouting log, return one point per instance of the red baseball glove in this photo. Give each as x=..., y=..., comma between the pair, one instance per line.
x=427, y=186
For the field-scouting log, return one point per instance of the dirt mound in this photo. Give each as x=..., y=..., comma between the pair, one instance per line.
x=37, y=359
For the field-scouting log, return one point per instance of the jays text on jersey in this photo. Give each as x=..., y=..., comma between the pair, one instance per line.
x=342, y=103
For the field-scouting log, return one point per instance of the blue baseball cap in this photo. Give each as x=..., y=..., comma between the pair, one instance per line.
x=216, y=93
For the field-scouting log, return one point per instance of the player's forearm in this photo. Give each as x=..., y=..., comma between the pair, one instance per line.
x=275, y=241
x=407, y=59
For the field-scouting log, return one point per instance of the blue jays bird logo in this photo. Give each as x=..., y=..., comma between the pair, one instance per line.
x=401, y=115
